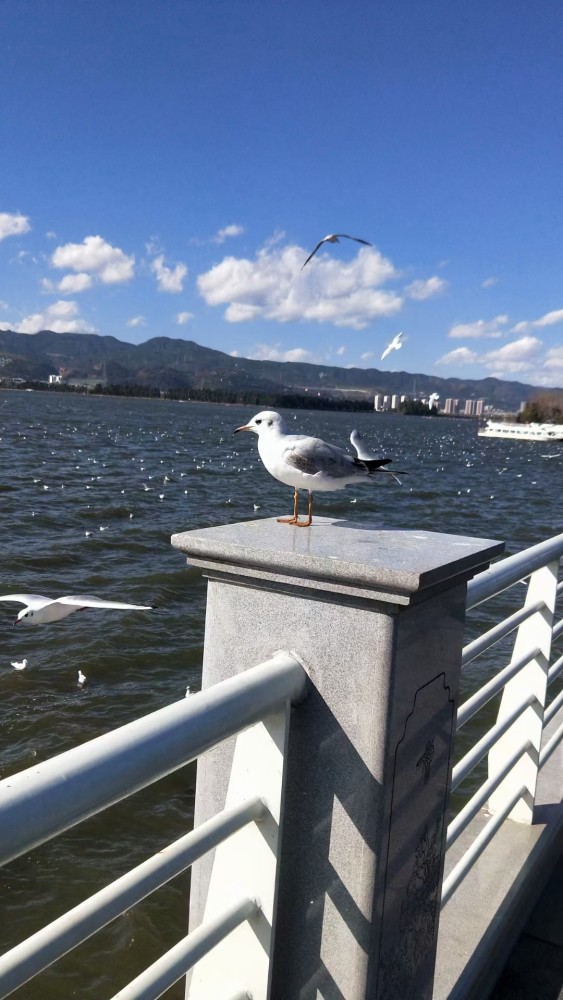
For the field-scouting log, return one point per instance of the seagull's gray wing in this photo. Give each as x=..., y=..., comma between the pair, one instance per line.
x=312, y=254
x=356, y=238
x=312, y=455
x=88, y=601
x=31, y=600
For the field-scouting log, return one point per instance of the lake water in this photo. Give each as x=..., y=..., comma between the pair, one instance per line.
x=90, y=491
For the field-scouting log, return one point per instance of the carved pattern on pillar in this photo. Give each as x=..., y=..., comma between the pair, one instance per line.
x=414, y=854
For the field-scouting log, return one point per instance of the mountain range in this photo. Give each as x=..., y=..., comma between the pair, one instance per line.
x=168, y=363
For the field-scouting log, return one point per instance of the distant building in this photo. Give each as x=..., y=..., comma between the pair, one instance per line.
x=451, y=405
x=54, y=379
x=479, y=407
x=395, y=402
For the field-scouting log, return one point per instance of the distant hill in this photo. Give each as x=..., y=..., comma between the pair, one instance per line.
x=168, y=363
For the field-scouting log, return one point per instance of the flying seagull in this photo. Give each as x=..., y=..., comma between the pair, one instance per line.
x=305, y=462
x=393, y=345
x=40, y=610
x=335, y=238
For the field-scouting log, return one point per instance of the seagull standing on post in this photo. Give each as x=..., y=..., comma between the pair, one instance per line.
x=335, y=238
x=305, y=462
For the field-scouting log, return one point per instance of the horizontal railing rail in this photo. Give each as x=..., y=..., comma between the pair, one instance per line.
x=503, y=574
x=47, y=799
x=53, y=941
x=162, y=974
x=43, y=801
x=528, y=675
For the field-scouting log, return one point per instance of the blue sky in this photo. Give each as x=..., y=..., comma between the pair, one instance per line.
x=167, y=166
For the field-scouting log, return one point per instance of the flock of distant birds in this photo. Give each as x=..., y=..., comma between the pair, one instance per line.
x=296, y=460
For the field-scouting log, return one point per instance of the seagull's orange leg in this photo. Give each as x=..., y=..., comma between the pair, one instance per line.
x=295, y=518
x=308, y=522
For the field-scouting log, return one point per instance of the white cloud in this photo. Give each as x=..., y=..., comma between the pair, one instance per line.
x=548, y=319
x=60, y=317
x=489, y=282
x=425, y=289
x=521, y=359
x=227, y=233
x=234, y=354
x=480, y=328
x=137, y=321
x=73, y=283
x=183, y=317
x=553, y=365
x=13, y=224
x=170, y=279
x=367, y=356
x=97, y=258
x=341, y=350
x=461, y=356
x=274, y=287
x=274, y=352
x=513, y=358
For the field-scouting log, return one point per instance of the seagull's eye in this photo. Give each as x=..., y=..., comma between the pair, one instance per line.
x=270, y=422
x=257, y=421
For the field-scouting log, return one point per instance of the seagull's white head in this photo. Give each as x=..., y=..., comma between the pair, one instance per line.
x=24, y=615
x=266, y=422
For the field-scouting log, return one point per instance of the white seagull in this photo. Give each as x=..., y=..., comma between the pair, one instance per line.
x=40, y=610
x=394, y=345
x=363, y=453
x=334, y=238
x=81, y=679
x=19, y=664
x=305, y=462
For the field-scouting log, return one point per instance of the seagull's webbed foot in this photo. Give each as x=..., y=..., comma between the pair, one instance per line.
x=309, y=521
x=295, y=518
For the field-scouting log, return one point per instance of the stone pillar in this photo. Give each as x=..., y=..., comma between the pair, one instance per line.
x=376, y=617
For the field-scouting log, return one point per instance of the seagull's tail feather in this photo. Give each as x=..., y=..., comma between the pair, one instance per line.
x=373, y=464
x=394, y=474
x=376, y=465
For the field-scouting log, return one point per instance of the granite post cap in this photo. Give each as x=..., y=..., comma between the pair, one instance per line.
x=387, y=564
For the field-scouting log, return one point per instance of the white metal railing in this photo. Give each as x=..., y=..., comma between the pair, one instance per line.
x=514, y=743
x=45, y=800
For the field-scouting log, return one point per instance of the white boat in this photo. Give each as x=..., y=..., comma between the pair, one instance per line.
x=522, y=432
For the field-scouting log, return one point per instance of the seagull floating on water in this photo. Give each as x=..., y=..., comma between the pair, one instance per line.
x=307, y=462
x=81, y=679
x=19, y=664
x=40, y=610
x=335, y=238
x=393, y=345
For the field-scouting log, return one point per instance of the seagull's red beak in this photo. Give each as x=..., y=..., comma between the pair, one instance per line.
x=245, y=428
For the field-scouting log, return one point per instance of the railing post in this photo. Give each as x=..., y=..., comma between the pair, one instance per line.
x=376, y=617
x=534, y=633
